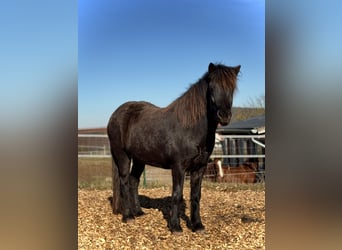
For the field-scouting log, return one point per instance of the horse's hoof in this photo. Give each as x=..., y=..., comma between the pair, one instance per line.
x=128, y=219
x=200, y=231
x=176, y=230
x=139, y=213
x=199, y=228
x=177, y=233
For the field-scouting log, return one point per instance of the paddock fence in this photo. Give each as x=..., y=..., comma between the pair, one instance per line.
x=233, y=150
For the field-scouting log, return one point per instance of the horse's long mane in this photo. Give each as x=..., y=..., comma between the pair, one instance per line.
x=192, y=105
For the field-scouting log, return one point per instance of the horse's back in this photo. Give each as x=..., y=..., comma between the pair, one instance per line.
x=124, y=119
x=130, y=110
x=127, y=113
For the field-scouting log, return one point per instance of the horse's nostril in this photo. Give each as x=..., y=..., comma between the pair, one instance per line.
x=224, y=117
x=221, y=114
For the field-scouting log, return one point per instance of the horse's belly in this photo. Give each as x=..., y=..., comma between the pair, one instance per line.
x=149, y=154
x=162, y=145
x=165, y=155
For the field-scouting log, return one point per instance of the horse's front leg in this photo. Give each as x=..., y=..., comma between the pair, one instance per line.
x=177, y=198
x=195, y=182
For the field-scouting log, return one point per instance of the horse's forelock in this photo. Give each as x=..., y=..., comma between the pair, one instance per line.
x=225, y=76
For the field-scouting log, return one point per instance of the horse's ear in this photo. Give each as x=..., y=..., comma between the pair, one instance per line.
x=211, y=67
x=237, y=69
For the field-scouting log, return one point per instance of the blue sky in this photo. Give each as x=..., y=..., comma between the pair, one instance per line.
x=38, y=60
x=153, y=50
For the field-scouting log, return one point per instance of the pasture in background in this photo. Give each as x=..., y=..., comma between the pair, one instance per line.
x=96, y=173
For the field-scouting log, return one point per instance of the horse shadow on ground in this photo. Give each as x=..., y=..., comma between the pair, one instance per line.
x=163, y=205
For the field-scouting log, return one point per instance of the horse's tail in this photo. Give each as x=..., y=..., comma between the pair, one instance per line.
x=116, y=202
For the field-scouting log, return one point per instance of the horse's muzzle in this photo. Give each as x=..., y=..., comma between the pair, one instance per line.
x=224, y=117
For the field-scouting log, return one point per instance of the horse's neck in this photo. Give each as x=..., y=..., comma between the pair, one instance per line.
x=211, y=130
x=208, y=126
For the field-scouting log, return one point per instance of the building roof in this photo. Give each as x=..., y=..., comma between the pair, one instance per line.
x=102, y=130
x=253, y=125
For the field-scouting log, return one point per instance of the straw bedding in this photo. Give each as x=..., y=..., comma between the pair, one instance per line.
x=233, y=220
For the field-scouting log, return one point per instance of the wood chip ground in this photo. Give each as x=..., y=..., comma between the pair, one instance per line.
x=233, y=220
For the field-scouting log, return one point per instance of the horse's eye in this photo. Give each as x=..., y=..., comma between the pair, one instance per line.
x=211, y=91
x=212, y=98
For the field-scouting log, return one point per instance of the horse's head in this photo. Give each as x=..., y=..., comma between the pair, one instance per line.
x=222, y=84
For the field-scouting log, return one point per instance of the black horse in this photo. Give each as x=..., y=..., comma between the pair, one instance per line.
x=179, y=137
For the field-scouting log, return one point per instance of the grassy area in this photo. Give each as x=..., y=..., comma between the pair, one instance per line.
x=96, y=173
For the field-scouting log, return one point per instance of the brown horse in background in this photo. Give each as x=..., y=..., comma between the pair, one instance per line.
x=244, y=173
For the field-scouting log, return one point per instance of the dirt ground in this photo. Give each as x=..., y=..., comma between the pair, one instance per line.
x=233, y=220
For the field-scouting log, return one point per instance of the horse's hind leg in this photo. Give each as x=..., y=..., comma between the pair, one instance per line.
x=116, y=202
x=134, y=180
x=123, y=164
